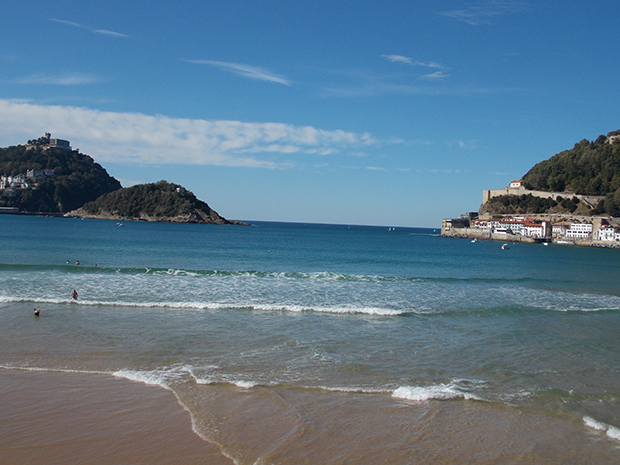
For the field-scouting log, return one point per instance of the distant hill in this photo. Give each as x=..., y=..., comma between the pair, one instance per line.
x=161, y=201
x=71, y=178
x=589, y=168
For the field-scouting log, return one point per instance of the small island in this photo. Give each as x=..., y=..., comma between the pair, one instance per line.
x=47, y=176
x=161, y=202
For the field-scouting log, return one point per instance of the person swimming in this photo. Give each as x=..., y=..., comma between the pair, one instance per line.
x=74, y=294
x=36, y=312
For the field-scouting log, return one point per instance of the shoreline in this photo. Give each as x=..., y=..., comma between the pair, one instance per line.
x=479, y=236
x=59, y=417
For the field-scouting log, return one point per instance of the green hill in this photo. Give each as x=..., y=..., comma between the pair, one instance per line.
x=589, y=168
x=75, y=180
x=160, y=201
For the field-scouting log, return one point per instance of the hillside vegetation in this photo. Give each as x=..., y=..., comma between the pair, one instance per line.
x=161, y=201
x=77, y=179
x=589, y=168
x=528, y=204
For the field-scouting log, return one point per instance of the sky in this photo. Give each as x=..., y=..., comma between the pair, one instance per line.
x=392, y=113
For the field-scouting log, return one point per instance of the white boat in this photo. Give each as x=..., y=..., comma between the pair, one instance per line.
x=475, y=240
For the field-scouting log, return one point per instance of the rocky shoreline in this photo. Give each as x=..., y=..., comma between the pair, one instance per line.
x=196, y=217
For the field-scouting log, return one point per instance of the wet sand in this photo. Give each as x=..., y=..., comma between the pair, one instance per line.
x=59, y=418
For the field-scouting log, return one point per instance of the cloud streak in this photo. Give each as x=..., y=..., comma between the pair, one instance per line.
x=90, y=29
x=248, y=71
x=68, y=79
x=481, y=13
x=436, y=76
x=411, y=61
x=134, y=138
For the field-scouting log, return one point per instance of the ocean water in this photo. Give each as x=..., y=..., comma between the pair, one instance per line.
x=303, y=343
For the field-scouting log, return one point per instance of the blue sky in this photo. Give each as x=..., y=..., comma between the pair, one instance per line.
x=394, y=113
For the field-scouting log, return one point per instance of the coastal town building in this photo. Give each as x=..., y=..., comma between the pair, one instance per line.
x=567, y=228
x=559, y=229
x=39, y=175
x=516, y=226
x=11, y=184
x=582, y=230
x=18, y=181
x=579, y=231
x=607, y=233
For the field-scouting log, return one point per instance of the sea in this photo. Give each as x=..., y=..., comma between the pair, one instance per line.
x=291, y=343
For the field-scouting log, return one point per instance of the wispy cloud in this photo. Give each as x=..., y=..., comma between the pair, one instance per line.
x=67, y=79
x=464, y=144
x=483, y=12
x=248, y=71
x=108, y=33
x=90, y=29
x=134, y=138
x=398, y=59
x=436, y=76
x=411, y=61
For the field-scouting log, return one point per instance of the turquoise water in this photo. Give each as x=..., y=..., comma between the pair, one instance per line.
x=364, y=311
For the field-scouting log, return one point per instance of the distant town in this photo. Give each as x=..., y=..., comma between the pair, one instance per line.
x=10, y=185
x=556, y=228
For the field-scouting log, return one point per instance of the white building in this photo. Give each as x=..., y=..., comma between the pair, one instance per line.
x=536, y=230
x=608, y=234
x=559, y=229
x=579, y=231
x=18, y=181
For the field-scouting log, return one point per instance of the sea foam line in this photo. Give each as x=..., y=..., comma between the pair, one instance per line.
x=453, y=390
x=198, y=305
x=610, y=430
x=52, y=370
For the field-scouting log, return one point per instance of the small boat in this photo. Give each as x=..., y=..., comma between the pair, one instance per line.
x=505, y=247
x=475, y=240
x=546, y=244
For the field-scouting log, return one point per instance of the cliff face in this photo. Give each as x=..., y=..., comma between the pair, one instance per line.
x=156, y=202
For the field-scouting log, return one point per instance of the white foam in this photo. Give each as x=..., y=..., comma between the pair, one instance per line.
x=611, y=431
x=160, y=377
x=435, y=392
x=338, y=310
x=52, y=370
x=244, y=384
x=359, y=390
x=592, y=423
x=146, y=377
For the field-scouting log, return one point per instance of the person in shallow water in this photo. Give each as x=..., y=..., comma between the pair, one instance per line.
x=74, y=294
x=36, y=312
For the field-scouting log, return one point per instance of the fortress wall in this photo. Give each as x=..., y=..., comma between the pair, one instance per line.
x=489, y=194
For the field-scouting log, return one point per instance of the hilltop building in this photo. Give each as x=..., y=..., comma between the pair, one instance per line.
x=46, y=142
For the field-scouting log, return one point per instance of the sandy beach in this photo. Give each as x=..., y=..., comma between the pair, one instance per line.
x=59, y=418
